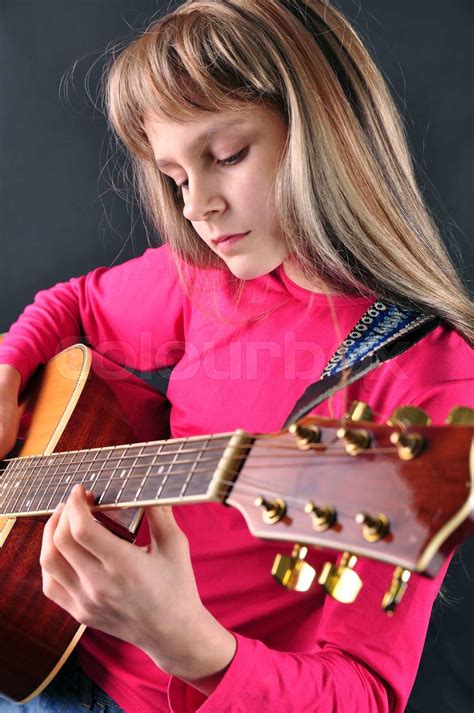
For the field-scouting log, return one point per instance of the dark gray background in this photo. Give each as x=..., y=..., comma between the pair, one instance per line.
x=59, y=216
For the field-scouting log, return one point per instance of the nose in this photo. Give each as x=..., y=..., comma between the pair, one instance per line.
x=201, y=200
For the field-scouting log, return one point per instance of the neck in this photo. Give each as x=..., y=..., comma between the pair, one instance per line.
x=162, y=472
x=310, y=284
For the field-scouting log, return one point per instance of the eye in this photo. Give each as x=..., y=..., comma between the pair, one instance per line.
x=230, y=161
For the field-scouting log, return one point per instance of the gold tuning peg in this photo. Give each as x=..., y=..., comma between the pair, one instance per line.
x=374, y=527
x=409, y=416
x=360, y=411
x=396, y=591
x=356, y=440
x=340, y=580
x=272, y=510
x=323, y=516
x=292, y=571
x=306, y=435
x=409, y=445
x=461, y=416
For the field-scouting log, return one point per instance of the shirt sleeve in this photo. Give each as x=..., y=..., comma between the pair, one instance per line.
x=362, y=660
x=132, y=313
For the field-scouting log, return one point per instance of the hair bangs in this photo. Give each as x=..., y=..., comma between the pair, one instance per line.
x=181, y=64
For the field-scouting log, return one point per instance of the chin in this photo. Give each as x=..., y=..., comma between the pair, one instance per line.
x=252, y=271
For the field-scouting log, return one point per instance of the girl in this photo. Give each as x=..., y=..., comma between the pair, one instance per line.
x=269, y=156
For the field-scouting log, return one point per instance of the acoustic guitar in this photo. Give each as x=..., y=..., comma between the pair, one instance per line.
x=86, y=420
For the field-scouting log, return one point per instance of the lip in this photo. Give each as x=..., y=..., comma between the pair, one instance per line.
x=229, y=239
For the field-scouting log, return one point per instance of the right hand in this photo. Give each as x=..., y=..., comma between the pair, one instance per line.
x=9, y=409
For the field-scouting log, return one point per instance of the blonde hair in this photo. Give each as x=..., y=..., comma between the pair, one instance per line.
x=348, y=204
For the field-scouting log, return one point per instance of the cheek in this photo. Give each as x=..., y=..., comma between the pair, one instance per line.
x=256, y=194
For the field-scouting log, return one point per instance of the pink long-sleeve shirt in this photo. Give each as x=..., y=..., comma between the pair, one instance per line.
x=244, y=365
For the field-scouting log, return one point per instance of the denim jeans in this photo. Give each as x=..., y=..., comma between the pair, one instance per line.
x=70, y=692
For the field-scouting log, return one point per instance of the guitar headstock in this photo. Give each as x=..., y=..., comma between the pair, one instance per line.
x=400, y=492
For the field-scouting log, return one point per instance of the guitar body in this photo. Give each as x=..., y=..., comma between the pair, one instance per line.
x=78, y=400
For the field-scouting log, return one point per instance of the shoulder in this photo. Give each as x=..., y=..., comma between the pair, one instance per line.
x=443, y=355
x=436, y=374
x=155, y=269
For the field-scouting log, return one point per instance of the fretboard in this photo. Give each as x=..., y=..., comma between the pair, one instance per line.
x=193, y=469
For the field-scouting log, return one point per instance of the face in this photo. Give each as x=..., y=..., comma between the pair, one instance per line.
x=225, y=164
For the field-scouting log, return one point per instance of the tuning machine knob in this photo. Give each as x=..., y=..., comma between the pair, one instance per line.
x=461, y=416
x=409, y=416
x=360, y=411
x=409, y=445
x=292, y=571
x=306, y=435
x=323, y=516
x=272, y=510
x=356, y=440
x=375, y=527
x=396, y=590
x=340, y=581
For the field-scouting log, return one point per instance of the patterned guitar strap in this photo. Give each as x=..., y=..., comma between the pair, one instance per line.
x=384, y=332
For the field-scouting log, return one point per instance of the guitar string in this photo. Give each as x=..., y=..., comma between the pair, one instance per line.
x=318, y=447
x=107, y=467
x=146, y=481
x=246, y=487
x=163, y=443
x=109, y=471
x=22, y=478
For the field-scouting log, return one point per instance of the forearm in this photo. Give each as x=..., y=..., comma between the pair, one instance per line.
x=198, y=652
x=260, y=678
x=10, y=379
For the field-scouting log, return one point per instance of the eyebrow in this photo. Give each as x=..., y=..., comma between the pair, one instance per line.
x=207, y=134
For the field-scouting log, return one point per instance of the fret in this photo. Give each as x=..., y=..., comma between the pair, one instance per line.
x=192, y=471
x=27, y=502
x=67, y=480
x=124, y=475
x=5, y=481
x=96, y=477
x=16, y=480
x=135, y=476
x=61, y=479
x=89, y=478
x=74, y=459
x=120, y=470
x=128, y=484
x=43, y=472
x=174, y=479
x=143, y=473
x=117, y=468
x=165, y=466
x=100, y=499
x=88, y=460
x=205, y=469
x=52, y=484
x=46, y=461
x=8, y=480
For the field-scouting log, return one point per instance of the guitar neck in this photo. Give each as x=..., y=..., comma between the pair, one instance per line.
x=197, y=469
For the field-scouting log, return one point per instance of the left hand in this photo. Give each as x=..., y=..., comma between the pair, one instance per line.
x=144, y=595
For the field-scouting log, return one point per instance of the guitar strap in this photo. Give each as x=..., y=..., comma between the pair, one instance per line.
x=382, y=333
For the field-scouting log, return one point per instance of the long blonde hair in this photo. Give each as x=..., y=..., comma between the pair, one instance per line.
x=348, y=204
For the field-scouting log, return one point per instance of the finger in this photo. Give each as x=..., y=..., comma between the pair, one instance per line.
x=164, y=530
x=67, y=545
x=90, y=534
x=55, y=591
x=53, y=564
